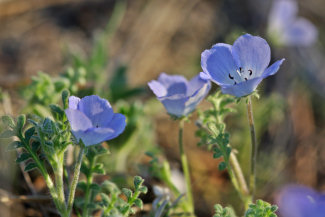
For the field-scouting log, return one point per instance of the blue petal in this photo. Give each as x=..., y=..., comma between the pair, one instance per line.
x=118, y=124
x=301, y=32
x=282, y=15
x=195, y=84
x=175, y=106
x=298, y=201
x=94, y=136
x=218, y=62
x=78, y=120
x=271, y=70
x=252, y=53
x=168, y=80
x=196, y=98
x=73, y=102
x=174, y=84
x=243, y=88
x=98, y=110
x=157, y=88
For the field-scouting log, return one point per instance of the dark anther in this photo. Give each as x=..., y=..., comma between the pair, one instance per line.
x=231, y=77
x=240, y=69
x=245, y=79
x=250, y=72
x=96, y=125
x=235, y=83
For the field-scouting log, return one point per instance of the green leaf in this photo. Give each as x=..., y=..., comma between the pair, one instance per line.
x=138, y=181
x=82, y=186
x=24, y=156
x=95, y=187
x=127, y=192
x=7, y=134
x=138, y=203
x=56, y=110
x=29, y=133
x=21, y=120
x=222, y=166
x=65, y=96
x=14, y=145
x=35, y=146
x=8, y=121
x=30, y=167
x=99, y=169
x=143, y=189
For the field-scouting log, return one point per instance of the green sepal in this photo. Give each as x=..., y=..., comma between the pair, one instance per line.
x=127, y=192
x=138, y=202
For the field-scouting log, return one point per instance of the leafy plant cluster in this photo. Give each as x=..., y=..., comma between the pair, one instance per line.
x=211, y=127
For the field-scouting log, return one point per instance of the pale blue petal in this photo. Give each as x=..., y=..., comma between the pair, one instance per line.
x=118, y=124
x=78, y=120
x=73, y=102
x=205, y=76
x=94, y=136
x=271, y=70
x=175, y=107
x=195, y=84
x=252, y=53
x=243, y=88
x=197, y=97
x=218, y=63
x=282, y=15
x=300, y=33
x=157, y=88
x=168, y=80
x=98, y=110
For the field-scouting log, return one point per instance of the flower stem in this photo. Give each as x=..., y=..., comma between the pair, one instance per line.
x=89, y=182
x=75, y=180
x=252, y=177
x=58, y=173
x=185, y=167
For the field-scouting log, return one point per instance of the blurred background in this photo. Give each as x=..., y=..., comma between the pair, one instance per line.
x=113, y=48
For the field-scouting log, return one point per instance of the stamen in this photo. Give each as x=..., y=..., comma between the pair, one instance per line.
x=230, y=77
x=245, y=79
x=250, y=72
x=240, y=69
x=235, y=83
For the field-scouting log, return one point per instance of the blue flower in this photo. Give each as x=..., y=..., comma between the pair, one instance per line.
x=92, y=120
x=300, y=201
x=288, y=29
x=179, y=96
x=238, y=69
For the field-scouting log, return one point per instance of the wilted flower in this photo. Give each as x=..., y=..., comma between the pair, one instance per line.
x=301, y=201
x=179, y=96
x=286, y=28
x=238, y=69
x=92, y=120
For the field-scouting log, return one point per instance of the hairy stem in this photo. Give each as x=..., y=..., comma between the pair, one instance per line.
x=58, y=173
x=252, y=177
x=75, y=180
x=89, y=182
x=185, y=167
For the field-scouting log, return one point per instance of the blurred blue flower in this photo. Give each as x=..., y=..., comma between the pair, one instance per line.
x=301, y=201
x=238, y=69
x=286, y=28
x=92, y=120
x=179, y=96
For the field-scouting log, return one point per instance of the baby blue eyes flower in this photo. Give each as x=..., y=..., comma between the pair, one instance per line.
x=179, y=96
x=288, y=29
x=300, y=201
x=92, y=120
x=239, y=68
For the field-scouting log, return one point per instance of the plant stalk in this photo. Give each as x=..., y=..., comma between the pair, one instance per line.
x=185, y=167
x=252, y=177
x=75, y=179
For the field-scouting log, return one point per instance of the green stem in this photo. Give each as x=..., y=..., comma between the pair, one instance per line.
x=58, y=174
x=185, y=168
x=252, y=177
x=75, y=180
x=89, y=182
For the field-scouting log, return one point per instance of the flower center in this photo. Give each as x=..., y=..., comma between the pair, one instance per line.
x=241, y=75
